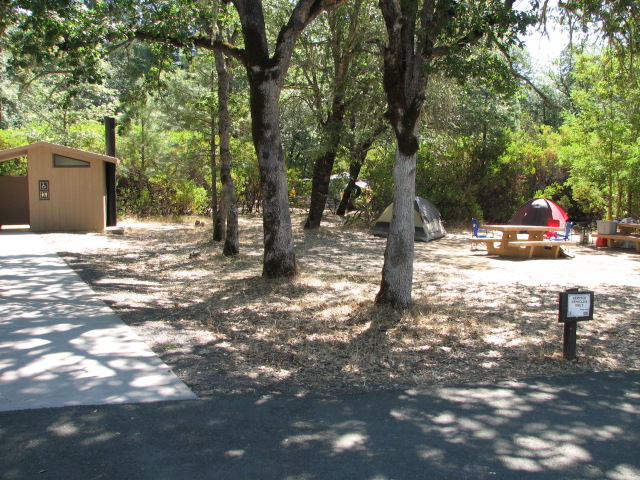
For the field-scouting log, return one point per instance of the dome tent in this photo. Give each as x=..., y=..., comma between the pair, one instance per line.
x=539, y=211
x=426, y=220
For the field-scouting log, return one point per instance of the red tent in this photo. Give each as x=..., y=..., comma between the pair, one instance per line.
x=539, y=211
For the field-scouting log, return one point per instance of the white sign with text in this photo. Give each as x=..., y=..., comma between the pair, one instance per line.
x=578, y=305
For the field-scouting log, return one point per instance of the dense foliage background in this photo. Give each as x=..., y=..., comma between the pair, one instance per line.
x=497, y=131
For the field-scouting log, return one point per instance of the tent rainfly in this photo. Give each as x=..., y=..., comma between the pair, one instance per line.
x=426, y=220
x=65, y=189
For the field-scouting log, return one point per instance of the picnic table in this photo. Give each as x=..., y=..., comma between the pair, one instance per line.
x=627, y=228
x=625, y=232
x=532, y=244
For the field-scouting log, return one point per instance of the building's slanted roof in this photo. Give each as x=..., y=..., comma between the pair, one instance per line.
x=16, y=152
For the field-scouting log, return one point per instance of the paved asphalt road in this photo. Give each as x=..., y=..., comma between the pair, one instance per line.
x=578, y=427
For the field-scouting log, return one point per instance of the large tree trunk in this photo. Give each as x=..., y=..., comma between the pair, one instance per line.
x=229, y=206
x=397, y=271
x=413, y=30
x=405, y=80
x=279, y=255
x=266, y=74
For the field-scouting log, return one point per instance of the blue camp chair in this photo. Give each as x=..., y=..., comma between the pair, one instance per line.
x=563, y=236
x=479, y=232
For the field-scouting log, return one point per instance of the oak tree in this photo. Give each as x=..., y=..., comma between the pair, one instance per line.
x=75, y=36
x=423, y=37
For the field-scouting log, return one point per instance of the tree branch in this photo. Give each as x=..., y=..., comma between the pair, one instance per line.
x=204, y=43
x=539, y=92
x=472, y=37
x=525, y=79
x=303, y=14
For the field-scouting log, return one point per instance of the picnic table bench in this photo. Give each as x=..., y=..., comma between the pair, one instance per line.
x=613, y=238
x=552, y=247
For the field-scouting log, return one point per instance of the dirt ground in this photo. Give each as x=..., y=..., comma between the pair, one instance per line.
x=224, y=329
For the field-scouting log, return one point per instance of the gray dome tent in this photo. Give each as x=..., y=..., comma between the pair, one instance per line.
x=426, y=220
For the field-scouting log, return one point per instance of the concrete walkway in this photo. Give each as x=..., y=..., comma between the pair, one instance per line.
x=62, y=346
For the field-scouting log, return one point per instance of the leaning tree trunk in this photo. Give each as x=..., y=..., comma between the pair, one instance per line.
x=320, y=188
x=345, y=200
x=279, y=256
x=323, y=165
x=358, y=159
x=397, y=272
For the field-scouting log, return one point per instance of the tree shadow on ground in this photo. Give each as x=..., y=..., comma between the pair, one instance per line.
x=563, y=428
x=224, y=329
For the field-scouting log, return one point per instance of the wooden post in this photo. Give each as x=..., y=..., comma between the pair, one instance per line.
x=569, y=345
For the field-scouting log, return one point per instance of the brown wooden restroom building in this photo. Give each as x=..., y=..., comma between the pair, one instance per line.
x=65, y=189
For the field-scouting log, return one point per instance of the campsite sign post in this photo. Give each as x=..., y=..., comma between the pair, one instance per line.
x=575, y=306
